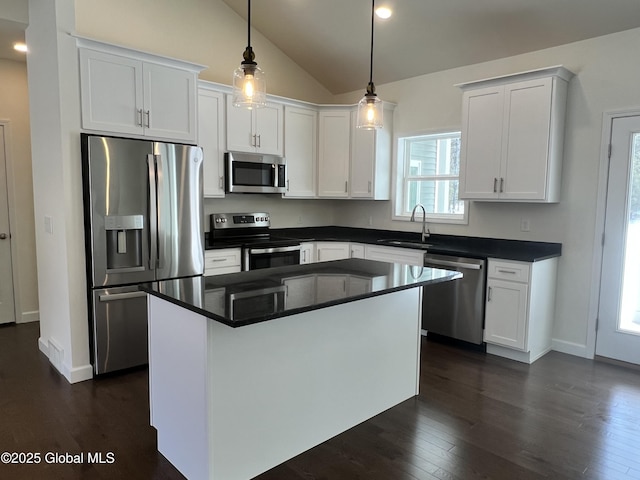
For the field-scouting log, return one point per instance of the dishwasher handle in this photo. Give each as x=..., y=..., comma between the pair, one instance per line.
x=452, y=263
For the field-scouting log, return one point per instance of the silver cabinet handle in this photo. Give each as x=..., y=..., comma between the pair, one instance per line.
x=501, y=184
x=259, y=141
x=287, y=184
x=369, y=187
x=121, y=296
x=511, y=272
x=346, y=183
x=3, y=236
x=489, y=294
x=221, y=182
x=148, y=115
x=139, y=122
x=495, y=185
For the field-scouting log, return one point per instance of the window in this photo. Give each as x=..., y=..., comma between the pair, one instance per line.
x=428, y=173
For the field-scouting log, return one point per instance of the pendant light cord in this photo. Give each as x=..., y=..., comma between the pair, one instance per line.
x=249, y=23
x=371, y=62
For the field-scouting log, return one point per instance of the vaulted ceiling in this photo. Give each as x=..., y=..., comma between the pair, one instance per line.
x=330, y=39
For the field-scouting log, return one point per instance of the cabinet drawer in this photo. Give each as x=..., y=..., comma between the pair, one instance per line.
x=513, y=271
x=222, y=261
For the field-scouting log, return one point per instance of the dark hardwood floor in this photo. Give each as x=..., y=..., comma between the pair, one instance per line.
x=477, y=417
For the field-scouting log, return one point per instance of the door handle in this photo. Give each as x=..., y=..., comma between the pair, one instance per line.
x=489, y=295
x=495, y=185
x=121, y=296
x=3, y=236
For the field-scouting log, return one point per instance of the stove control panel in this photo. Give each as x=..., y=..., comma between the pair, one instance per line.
x=240, y=220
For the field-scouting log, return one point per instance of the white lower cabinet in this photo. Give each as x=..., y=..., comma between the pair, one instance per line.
x=407, y=256
x=327, y=251
x=222, y=260
x=520, y=306
x=307, y=252
x=357, y=250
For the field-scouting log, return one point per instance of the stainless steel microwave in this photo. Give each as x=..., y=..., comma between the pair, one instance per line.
x=254, y=173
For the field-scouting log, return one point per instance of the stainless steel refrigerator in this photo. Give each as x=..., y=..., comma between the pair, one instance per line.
x=143, y=204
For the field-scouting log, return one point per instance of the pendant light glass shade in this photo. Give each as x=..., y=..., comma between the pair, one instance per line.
x=249, y=85
x=369, y=111
x=369, y=114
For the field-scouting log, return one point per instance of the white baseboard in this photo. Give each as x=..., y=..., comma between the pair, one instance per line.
x=72, y=374
x=570, y=348
x=27, y=317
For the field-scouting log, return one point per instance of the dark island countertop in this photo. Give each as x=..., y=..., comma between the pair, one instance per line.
x=474, y=247
x=246, y=298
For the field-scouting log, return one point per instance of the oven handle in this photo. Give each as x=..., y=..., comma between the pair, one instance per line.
x=274, y=249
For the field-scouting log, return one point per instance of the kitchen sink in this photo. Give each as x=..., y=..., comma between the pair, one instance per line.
x=405, y=243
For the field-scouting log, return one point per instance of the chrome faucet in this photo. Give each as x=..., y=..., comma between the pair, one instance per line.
x=425, y=229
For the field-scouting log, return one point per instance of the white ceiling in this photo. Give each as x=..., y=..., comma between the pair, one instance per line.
x=330, y=39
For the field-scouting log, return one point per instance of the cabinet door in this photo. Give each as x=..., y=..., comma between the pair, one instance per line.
x=301, y=291
x=327, y=251
x=334, y=153
x=363, y=159
x=330, y=287
x=300, y=147
x=482, y=113
x=111, y=91
x=268, y=128
x=211, y=139
x=525, y=145
x=240, y=135
x=357, y=250
x=307, y=253
x=506, y=314
x=169, y=103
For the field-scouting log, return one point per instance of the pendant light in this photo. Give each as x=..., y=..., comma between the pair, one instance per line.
x=370, y=107
x=249, y=86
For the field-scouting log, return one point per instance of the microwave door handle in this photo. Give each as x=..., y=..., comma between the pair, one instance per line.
x=153, y=213
x=274, y=172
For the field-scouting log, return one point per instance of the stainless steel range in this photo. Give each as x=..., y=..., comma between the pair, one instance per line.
x=251, y=231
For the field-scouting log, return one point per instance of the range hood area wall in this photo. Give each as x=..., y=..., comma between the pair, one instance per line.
x=285, y=213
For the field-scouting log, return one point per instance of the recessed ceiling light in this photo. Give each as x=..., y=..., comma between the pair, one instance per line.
x=383, y=12
x=20, y=47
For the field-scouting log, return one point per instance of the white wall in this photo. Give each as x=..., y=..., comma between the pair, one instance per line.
x=53, y=77
x=202, y=31
x=14, y=108
x=607, y=78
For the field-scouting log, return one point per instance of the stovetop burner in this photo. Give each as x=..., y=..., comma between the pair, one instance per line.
x=246, y=229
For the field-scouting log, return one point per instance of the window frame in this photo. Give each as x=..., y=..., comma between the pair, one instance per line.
x=401, y=180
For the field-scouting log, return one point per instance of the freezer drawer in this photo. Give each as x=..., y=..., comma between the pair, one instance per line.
x=119, y=329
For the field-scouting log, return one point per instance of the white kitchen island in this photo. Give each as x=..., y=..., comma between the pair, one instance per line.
x=248, y=370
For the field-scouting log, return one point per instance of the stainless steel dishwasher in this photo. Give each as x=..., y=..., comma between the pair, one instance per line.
x=455, y=309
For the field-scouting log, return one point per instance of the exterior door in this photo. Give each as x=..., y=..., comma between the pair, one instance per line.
x=7, y=312
x=618, y=334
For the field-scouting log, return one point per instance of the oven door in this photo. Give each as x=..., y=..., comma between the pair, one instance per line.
x=267, y=257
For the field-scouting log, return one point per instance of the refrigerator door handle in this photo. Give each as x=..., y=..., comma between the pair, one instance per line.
x=159, y=235
x=153, y=212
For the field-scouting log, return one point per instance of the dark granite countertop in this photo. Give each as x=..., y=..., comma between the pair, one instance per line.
x=245, y=298
x=474, y=247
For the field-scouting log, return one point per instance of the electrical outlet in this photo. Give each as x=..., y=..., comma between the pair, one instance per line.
x=525, y=225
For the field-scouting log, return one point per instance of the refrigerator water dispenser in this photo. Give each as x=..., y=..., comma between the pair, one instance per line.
x=124, y=241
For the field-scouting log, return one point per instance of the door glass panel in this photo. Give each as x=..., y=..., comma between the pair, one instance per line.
x=629, y=320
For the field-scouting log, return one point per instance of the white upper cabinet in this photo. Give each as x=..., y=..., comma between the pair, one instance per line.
x=512, y=136
x=352, y=162
x=300, y=151
x=334, y=152
x=133, y=93
x=211, y=139
x=259, y=130
x=370, y=171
